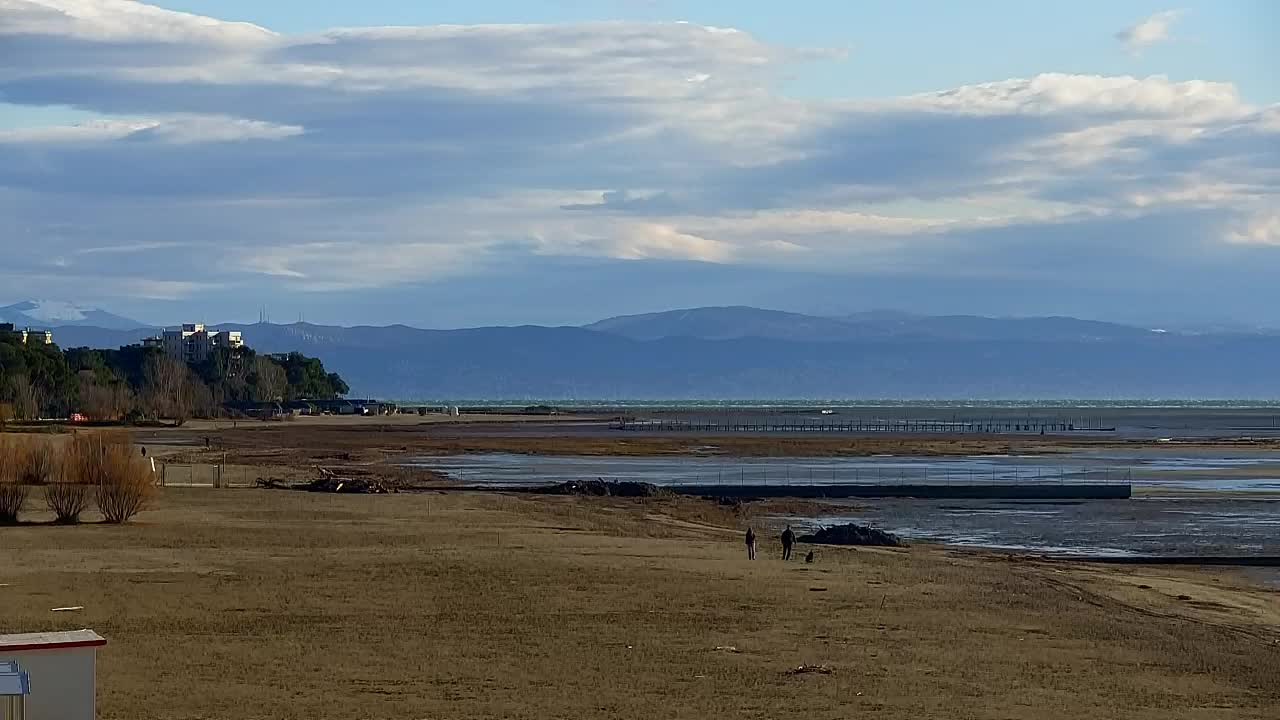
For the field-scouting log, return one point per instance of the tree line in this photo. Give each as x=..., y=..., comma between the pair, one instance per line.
x=137, y=383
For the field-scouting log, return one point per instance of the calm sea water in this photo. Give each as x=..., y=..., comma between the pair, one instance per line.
x=1146, y=525
x=1258, y=472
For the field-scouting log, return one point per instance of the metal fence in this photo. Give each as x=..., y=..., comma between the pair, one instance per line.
x=202, y=475
x=869, y=426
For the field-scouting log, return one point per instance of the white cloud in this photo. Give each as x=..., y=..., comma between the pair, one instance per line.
x=653, y=240
x=1057, y=93
x=119, y=20
x=1261, y=229
x=176, y=129
x=1151, y=31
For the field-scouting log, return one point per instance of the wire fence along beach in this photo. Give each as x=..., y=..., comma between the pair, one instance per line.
x=204, y=475
x=800, y=476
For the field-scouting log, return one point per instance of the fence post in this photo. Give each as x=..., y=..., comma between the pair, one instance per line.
x=164, y=468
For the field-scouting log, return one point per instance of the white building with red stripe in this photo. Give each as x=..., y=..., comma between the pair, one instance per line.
x=61, y=670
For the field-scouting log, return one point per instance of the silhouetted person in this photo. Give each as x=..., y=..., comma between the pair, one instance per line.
x=751, y=544
x=809, y=558
x=144, y=451
x=788, y=539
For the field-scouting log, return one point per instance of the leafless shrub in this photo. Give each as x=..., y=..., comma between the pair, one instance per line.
x=126, y=483
x=67, y=500
x=36, y=462
x=82, y=469
x=13, y=493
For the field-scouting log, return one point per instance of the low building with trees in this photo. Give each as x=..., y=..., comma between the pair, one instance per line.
x=138, y=382
x=26, y=336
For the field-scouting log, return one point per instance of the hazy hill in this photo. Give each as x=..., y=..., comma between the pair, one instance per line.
x=725, y=323
x=868, y=356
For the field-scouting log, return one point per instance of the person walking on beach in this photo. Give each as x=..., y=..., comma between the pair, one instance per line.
x=751, y=544
x=788, y=539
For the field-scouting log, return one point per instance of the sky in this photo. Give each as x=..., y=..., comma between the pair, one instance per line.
x=448, y=164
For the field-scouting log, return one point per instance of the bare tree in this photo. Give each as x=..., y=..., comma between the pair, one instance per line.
x=271, y=380
x=96, y=400
x=104, y=402
x=122, y=400
x=27, y=397
x=169, y=388
x=203, y=403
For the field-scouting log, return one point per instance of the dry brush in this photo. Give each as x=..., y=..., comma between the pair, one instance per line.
x=13, y=492
x=107, y=468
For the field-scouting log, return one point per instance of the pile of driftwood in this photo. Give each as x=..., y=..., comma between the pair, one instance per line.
x=852, y=535
x=329, y=482
x=806, y=669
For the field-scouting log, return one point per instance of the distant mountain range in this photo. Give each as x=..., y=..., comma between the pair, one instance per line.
x=52, y=313
x=739, y=352
x=734, y=323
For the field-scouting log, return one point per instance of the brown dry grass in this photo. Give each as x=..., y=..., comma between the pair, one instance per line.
x=276, y=604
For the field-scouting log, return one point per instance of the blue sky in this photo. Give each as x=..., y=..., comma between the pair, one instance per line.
x=1101, y=159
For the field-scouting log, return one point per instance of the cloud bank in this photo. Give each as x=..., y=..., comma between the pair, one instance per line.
x=226, y=158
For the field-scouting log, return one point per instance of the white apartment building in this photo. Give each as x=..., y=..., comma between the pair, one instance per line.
x=193, y=342
x=27, y=336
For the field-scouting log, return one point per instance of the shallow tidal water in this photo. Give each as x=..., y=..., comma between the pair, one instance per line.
x=1186, y=503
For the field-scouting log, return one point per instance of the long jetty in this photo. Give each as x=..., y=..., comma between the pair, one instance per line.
x=944, y=491
x=806, y=425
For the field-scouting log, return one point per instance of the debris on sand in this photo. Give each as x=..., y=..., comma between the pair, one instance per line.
x=819, y=669
x=604, y=488
x=852, y=535
x=726, y=648
x=355, y=486
x=329, y=482
x=737, y=503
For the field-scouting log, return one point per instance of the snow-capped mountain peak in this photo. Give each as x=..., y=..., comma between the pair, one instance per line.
x=55, y=313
